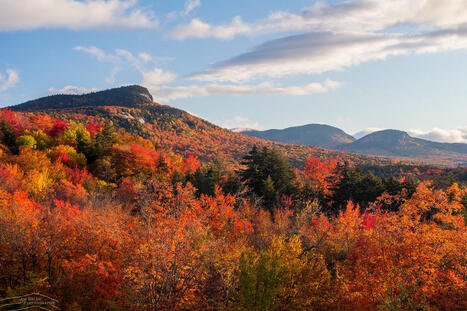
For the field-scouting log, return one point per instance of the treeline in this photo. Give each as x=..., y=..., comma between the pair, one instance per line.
x=100, y=219
x=268, y=178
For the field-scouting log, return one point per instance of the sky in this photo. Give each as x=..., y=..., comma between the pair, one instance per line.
x=360, y=65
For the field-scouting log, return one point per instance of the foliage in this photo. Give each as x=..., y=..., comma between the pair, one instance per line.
x=140, y=227
x=268, y=175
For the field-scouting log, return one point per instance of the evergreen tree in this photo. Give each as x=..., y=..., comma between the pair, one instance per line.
x=205, y=179
x=268, y=175
x=103, y=142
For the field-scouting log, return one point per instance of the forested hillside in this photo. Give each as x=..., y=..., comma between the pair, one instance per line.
x=150, y=208
x=171, y=128
x=125, y=96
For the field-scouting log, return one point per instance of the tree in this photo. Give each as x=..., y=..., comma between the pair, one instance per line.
x=103, y=142
x=26, y=140
x=205, y=179
x=268, y=175
x=260, y=280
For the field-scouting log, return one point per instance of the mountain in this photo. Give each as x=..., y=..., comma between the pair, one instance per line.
x=399, y=144
x=125, y=96
x=387, y=143
x=318, y=135
x=133, y=109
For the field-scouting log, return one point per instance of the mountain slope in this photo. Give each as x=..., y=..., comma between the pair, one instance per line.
x=126, y=96
x=318, y=135
x=394, y=143
x=171, y=128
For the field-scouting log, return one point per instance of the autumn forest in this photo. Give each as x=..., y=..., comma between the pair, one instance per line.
x=203, y=155
x=100, y=218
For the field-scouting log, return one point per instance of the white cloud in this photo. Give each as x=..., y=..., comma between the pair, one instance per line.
x=198, y=29
x=12, y=77
x=442, y=135
x=71, y=90
x=111, y=78
x=366, y=131
x=121, y=57
x=145, y=57
x=169, y=93
x=190, y=5
x=348, y=16
x=239, y=124
x=315, y=53
x=97, y=53
x=336, y=36
x=156, y=80
x=158, y=76
x=73, y=14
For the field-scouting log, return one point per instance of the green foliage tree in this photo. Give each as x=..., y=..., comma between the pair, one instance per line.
x=269, y=175
x=205, y=179
x=26, y=140
x=364, y=188
x=43, y=140
x=8, y=135
x=103, y=142
x=260, y=280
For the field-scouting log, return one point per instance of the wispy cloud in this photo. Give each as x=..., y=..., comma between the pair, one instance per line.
x=361, y=16
x=315, y=53
x=11, y=79
x=190, y=5
x=118, y=58
x=334, y=36
x=366, y=131
x=71, y=90
x=239, y=123
x=170, y=93
x=99, y=54
x=188, y=8
x=73, y=14
x=199, y=29
x=145, y=56
x=158, y=76
x=159, y=81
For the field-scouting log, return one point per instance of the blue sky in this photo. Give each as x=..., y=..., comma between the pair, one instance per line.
x=360, y=65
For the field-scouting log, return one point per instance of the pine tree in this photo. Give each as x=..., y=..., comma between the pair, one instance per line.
x=269, y=175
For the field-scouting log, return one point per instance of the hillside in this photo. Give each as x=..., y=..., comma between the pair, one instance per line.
x=84, y=205
x=126, y=96
x=317, y=135
x=171, y=128
x=133, y=108
x=394, y=143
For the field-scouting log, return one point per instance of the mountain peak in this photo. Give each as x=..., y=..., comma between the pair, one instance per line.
x=395, y=143
x=318, y=135
x=125, y=96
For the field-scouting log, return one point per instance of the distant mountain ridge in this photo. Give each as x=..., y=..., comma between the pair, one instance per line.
x=385, y=143
x=318, y=135
x=395, y=143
